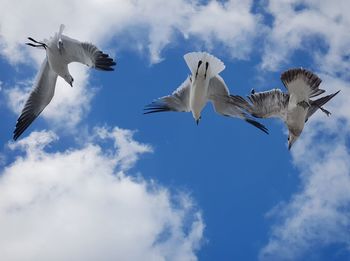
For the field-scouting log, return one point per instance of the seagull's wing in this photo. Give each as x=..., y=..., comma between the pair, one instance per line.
x=229, y=105
x=302, y=83
x=86, y=53
x=217, y=88
x=273, y=103
x=177, y=101
x=317, y=104
x=40, y=97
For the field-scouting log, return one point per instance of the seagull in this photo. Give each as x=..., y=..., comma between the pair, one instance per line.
x=294, y=107
x=60, y=51
x=203, y=85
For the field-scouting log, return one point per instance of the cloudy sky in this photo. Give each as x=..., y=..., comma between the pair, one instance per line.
x=95, y=179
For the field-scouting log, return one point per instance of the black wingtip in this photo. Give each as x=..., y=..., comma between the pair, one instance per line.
x=258, y=125
x=104, y=62
x=23, y=122
x=154, y=110
x=31, y=39
x=17, y=133
x=155, y=107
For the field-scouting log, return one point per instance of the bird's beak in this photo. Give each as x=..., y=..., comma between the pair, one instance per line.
x=71, y=84
x=291, y=140
x=197, y=121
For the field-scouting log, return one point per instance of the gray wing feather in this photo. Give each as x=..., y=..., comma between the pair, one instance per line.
x=229, y=105
x=222, y=101
x=309, y=78
x=317, y=104
x=177, y=101
x=217, y=88
x=39, y=98
x=273, y=103
x=86, y=53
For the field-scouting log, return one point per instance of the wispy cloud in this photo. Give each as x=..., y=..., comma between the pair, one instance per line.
x=83, y=201
x=231, y=24
x=317, y=215
x=316, y=27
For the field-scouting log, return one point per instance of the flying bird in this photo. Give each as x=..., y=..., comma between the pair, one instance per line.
x=294, y=107
x=203, y=85
x=61, y=50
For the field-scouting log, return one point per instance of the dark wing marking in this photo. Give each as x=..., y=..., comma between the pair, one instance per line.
x=273, y=103
x=229, y=105
x=177, y=101
x=87, y=54
x=310, y=79
x=317, y=104
x=256, y=124
x=40, y=97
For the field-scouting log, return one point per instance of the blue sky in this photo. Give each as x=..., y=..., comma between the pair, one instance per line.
x=105, y=182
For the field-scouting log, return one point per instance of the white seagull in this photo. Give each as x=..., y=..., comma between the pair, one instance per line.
x=60, y=51
x=294, y=107
x=203, y=85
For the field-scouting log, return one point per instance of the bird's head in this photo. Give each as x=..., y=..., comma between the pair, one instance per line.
x=292, y=137
x=197, y=117
x=69, y=79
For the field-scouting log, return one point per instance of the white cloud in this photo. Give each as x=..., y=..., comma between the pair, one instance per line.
x=231, y=23
x=318, y=215
x=79, y=204
x=17, y=95
x=226, y=23
x=126, y=23
x=306, y=25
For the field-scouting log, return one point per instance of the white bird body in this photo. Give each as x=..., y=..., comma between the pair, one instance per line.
x=296, y=118
x=205, y=84
x=296, y=114
x=198, y=94
x=203, y=67
x=58, y=60
x=294, y=107
x=60, y=51
x=298, y=105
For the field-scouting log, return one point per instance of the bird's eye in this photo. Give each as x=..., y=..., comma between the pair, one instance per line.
x=288, y=138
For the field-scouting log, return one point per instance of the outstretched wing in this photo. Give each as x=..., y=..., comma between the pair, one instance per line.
x=302, y=83
x=177, y=101
x=229, y=105
x=39, y=98
x=273, y=103
x=86, y=53
x=317, y=104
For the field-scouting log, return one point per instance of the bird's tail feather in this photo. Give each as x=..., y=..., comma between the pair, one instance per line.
x=215, y=64
x=60, y=31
